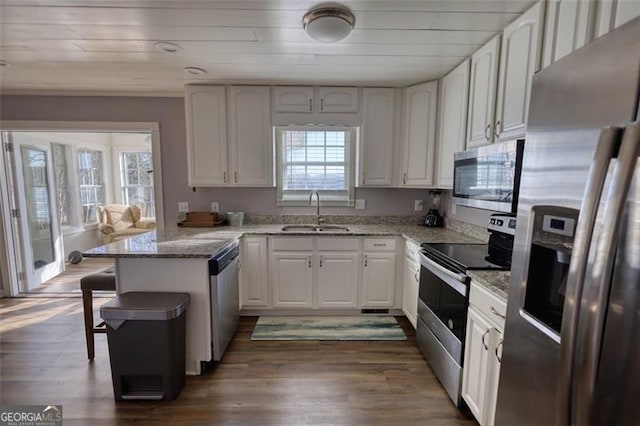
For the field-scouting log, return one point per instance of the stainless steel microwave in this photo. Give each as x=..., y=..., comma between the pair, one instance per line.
x=488, y=177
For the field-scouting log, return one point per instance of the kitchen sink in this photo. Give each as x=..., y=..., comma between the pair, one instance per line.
x=313, y=228
x=332, y=228
x=299, y=228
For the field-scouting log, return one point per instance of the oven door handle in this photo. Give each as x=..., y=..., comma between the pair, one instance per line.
x=455, y=280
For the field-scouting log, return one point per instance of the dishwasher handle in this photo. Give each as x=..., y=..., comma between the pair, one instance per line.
x=223, y=258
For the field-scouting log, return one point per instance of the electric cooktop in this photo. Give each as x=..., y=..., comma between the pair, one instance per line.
x=462, y=257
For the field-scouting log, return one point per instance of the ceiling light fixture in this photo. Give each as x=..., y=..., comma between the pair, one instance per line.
x=4, y=63
x=167, y=46
x=328, y=24
x=195, y=71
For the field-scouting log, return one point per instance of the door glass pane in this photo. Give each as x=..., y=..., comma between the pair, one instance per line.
x=38, y=206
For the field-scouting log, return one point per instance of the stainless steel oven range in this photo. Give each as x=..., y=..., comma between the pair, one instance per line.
x=444, y=297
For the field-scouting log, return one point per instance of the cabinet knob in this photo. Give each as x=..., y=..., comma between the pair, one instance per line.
x=224, y=177
x=321, y=104
x=486, y=132
x=486, y=348
x=235, y=177
x=309, y=261
x=498, y=127
x=321, y=261
x=366, y=261
x=499, y=357
x=495, y=312
x=404, y=179
x=310, y=105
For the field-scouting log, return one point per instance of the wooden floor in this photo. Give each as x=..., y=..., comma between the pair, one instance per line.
x=67, y=283
x=43, y=361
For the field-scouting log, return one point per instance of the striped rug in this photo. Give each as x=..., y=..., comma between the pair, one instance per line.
x=328, y=328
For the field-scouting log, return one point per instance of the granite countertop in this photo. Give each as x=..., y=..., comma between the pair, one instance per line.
x=205, y=242
x=495, y=281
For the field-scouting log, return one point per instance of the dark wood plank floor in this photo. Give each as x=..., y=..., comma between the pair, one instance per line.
x=43, y=361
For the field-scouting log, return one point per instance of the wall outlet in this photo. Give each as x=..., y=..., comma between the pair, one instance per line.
x=183, y=207
x=418, y=205
x=215, y=207
x=360, y=204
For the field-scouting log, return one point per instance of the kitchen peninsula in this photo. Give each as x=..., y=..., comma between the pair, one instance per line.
x=176, y=259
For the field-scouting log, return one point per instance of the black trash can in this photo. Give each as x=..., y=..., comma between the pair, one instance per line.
x=146, y=336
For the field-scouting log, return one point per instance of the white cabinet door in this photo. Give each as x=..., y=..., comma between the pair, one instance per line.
x=626, y=10
x=376, y=137
x=206, y=116
x=495, y=360
x=378, y=279
x=292, y=279
x=250, y=136
x=338, y=99
x=519, y=59
x=254, y=283
x=454, y=100
x=338, y=279
x=475, y=374
x=411, y=277
x=482, y=93
x=568, y=26
x=418, y=144
x=292, y=99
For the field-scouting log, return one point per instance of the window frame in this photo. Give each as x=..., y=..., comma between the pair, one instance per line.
x=105, y=185
x=327, y=199
x=119, y=154
x=74, y=224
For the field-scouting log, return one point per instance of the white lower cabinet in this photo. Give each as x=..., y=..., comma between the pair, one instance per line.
x=483, y=349
x=378, y=279
x=254, y=281
x=338, y=279
x=292, y=279
x=411, y=278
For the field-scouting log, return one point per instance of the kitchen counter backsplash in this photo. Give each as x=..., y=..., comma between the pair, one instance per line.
x=469, y=229
x=288, y=219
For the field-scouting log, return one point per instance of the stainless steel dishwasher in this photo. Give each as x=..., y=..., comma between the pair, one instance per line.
x=225, y=306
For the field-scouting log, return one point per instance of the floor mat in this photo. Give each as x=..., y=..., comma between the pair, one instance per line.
x=328, y=328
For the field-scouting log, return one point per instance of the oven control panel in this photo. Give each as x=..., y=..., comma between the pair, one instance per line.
x=502, y=223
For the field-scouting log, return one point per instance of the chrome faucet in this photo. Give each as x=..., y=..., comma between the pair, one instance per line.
x=317, y=205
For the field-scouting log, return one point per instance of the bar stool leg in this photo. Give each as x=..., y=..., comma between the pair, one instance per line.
x=87, y=303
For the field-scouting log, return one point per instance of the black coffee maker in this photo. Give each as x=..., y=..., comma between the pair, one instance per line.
x=433, y=218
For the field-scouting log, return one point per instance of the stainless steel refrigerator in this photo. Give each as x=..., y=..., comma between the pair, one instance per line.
x=571, y=351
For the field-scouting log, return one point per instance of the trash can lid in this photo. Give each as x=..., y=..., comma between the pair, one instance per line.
x=138, y=305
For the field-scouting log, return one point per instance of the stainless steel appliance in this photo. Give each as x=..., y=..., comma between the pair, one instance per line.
x=488, y=177
x=444, y=299
x=571, y=350
x=225, y=303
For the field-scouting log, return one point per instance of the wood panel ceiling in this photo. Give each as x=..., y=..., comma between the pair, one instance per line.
x=96, y=46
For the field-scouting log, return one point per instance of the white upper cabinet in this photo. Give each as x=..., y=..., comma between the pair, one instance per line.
x=242, y=156
x=304, y=99
x=292, y=99
x=250, y=142
x=454, y=97
x=519, y=60
x=482, y=93
x=419, y=135
x=338, y=99
x=375, y=151
x=206, y=115
x=568, y=26
x=611, y=14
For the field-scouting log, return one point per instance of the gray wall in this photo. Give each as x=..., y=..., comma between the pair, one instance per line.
x=465, y=214
x=169, y=113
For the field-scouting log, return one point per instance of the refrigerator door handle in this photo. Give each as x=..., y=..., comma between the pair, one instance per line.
x=595, y=298
x=605, y=150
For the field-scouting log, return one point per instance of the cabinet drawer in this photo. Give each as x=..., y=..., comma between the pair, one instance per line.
x=379, y=244
x=411, y=250
x=490, y=305
x=292, y=243
x=338, y=244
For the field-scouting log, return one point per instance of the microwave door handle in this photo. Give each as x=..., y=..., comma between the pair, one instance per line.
x=595, y=297
x=586, y=222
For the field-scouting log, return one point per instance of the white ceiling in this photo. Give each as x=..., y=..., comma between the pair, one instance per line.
x=97, y=46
